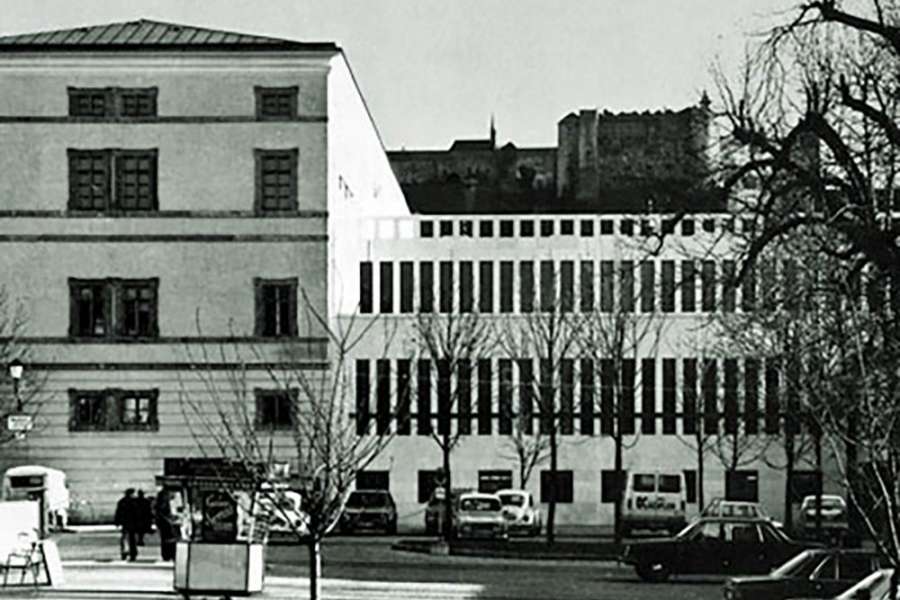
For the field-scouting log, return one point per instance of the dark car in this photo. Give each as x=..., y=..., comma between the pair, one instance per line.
x=369, y=509
x=811, y=574
x=714, y=545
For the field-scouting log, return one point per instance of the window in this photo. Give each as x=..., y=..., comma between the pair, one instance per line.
x=567, y=286
x=444, y=397
x=626, y=285
x=546, y=228
x=626, y=402
x=526, y=395
x=112, y=102
x=748, y=291
x=648, y=396
x=607, y=286
x=772, y=399
x=648, y=287
x=113, y=410
x=505, y=396
x=526, y=286
x=607, y=400
x=669, y=407
x=567, y=227
x=382, y=396
x=386, y=287
x=275, y=409
x=506, y=286
x=687, y=227
x=606, y=227
x=113, y=308
x=426, y=229
x=751, y=396
x=688, y=287
x=365, y=287
x=404, y=381
x=113, y=179
x=548, y=286
x=643, y=482
x=493, y=481
x=406, y=287
x=586, y=228
x=668, y=286
x=276, y=307
x=465, y=228
x=526, y=228
x=587, y=396
x=690, y=486
x=466, y=285
x=506, y=228
x=426, y=287
x=276, y=180
x=445, y=228
x=587, y=286
x=423, y=397
x=689, y=396
x=567, y=397
x=445, y=300
x=485, y=286
x=276, y=103
x=731, y=402
x=709, y=390
x=373, y=480
x=485, y=228
x=728, y=286
x=464, y=396
x=484, y=397
x=626, y=226
x=708, y=285
x=557, y=486
x=427, y=481
x=611, y=482
x=363, y=393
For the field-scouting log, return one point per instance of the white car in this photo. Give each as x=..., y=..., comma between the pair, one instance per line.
x=479, y=515
x=521, y=512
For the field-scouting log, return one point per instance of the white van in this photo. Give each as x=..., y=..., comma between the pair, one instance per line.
x=654, y=501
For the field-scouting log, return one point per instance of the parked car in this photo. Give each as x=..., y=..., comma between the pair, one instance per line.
x=833, y=512
x=654, y=501
x=479, y=515
x=369, y=509
x=521, y=512
x=817, y=573
x=284, y=511
x=714, y=545
x=720, y=507
x=434, y=510
x=877, y=586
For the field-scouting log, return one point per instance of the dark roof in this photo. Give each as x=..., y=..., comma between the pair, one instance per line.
x=472, y=145
x=145, y=34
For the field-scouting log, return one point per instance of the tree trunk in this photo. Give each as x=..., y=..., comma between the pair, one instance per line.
x=620, y=490
x=818, y=448
x=789, y=476
x=315, y=570
x=551, y=510
x=446, y=524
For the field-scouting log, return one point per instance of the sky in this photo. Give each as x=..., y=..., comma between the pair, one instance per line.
x=432, y=71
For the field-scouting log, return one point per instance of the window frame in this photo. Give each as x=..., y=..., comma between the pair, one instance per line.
x=114, y=108
x=112, y=408
x=112, y=158
x=292, y=92
x=565, y=493
x=113, y=307
x=260, y=395
x=260, y=155
x=259, y=283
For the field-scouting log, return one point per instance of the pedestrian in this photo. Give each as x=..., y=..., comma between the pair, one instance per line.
x=166, y=525
x=144, y=516
x=126, y=518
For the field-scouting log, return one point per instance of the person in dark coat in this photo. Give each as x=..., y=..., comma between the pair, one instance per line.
x=166, y=525
x=144, y=516
x=126, y=517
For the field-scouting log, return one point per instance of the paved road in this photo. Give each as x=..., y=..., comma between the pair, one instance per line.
x=365, y=568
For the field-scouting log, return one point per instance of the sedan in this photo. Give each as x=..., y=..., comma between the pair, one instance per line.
x=714, y=545
x=479, y=515
x=811, y=574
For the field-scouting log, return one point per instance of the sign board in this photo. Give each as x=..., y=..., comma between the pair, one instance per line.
x=219, y=517
x=19, y=423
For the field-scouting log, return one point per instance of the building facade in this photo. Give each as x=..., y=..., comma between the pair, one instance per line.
x=167, y=197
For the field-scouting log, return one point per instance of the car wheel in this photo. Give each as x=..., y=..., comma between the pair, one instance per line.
x=653, y=571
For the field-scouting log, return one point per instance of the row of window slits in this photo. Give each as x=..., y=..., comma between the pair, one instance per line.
x=500, y=395
x=129, y=103
x=506, y=228
x=655, y=286
x=128, y=308
x=127, y=180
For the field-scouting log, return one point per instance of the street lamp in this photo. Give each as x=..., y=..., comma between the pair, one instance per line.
x=16, y=368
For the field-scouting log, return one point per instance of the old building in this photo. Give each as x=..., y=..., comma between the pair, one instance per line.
x=166, y=190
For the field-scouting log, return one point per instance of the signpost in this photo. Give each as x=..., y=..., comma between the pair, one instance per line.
x=19, y=423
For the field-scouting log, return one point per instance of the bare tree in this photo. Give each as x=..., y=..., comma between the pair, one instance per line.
x=27, y=393
x=329, y=438
x=453, y=341
x=529, y=449
x=549, y=334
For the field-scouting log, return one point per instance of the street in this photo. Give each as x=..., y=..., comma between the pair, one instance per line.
x=366, y=567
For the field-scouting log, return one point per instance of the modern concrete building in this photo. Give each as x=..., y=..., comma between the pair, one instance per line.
x=167, y=190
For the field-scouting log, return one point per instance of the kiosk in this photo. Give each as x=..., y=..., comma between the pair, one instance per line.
x=222, y=534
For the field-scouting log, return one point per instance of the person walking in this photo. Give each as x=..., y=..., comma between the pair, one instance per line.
x=166, y=525
x=144, y=514
x=126, y=518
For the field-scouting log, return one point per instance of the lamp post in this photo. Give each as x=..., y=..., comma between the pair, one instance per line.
x=16, y=368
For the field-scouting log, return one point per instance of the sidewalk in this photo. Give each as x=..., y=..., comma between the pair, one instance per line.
x=153, y=580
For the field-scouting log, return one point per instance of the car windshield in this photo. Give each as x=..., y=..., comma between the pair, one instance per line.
x=877, y=583
x=644, y=483
x=512, y=499
x=367, y=500
x=670, y=484
x=479, y=504
x=799, y=566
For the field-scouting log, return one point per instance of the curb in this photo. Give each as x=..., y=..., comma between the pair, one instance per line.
x=422, y=547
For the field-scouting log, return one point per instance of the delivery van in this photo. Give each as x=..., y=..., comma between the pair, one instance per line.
x=654, y=501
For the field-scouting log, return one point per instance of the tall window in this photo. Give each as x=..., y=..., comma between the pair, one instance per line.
x=423, y=397
x=526, y=395
x=363, y=394
x=648, y=396
x=485, y=286
x=526, y=286
x=112, y=102
x=548, y=286
x=386, y=287
x=751, y=396
x=506, y=286
x=626, y=402
x=505, y=396
x=626, y=285
x=688, y=286
x=275, y=409
x=365, y=287
x=404, y=383
x=426, y=287
x=113, y=410
x=484, y=397
x=382, y=396
x=648, y=286
x=772, y=377
x=276, y=307
x=466, y=286
x=567, y=397
x=709, y=387
x=567, y=286
x=464, y=396
x=689, y=396
x=729, y=295
x=708, y=285
x=113, y=179
x=276, y=103
x=586, y=284
x=607, y=286
x=670, y=408
x=406, y=287
x=113, y=308
x=731, y=401
x=446, y=298
x=668, y=286
x=276, y=180
x=586, y=376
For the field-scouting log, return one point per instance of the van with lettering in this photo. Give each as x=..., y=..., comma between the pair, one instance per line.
x=654, y=501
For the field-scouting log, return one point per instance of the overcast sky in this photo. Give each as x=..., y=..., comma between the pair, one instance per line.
x=435, y=70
